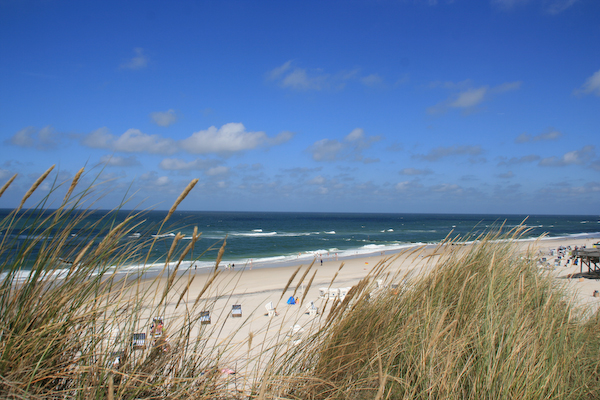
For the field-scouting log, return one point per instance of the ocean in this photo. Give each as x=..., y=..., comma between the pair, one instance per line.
x=271, y=239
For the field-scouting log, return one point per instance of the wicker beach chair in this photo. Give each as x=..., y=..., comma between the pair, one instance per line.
x=236, y=311
x=204, y=317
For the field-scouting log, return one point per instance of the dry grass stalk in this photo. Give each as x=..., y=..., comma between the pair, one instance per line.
x=181, y=197
x=7, y=184
x=35, y=185
x=289, y=282
x=308, y=285
x=187, y=287
x=73, y=184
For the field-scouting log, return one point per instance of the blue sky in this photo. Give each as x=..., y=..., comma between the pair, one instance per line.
x=461, y=106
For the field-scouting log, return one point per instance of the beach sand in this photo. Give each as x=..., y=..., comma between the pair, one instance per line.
x=245, y=344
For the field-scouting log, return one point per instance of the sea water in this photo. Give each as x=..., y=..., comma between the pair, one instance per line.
x=271, y=239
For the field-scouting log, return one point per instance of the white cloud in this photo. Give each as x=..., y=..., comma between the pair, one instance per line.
x=506, y=175
x=135, y=141
x=138, y=61
x=101, y=138
x=518, y=160
x=372, y=80
x=447, y=187
x=317, y=180
x=116, y=161
x=349, y=149
x=132, y=141
x=549, y=134
x=302, y=79
x=326, y=150
x=550, y=6
x=23, y=138
x=229, y=138
x=44, y=139
x=177, y=164
x=558, y=6
x=575, y=157
x=591, y=85
x=164, y=118
x=441, y=152
x=215, y=171
x=415, y=171
x=151, y=179
x=468, y=97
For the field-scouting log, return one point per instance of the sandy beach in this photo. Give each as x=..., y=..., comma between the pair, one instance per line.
x=247, y=337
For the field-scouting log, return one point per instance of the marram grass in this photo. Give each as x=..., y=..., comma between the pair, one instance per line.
x=484, y=323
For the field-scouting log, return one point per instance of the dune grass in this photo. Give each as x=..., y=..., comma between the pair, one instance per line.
x=483, y=323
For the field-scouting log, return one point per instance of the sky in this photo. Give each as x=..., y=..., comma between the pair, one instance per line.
x=402, y=106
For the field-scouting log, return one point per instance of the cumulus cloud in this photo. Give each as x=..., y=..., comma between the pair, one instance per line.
x=217, y=171
x=591, y=85
x=415, y=171
x=132, y=141
x=372, y=80
x=229, y=138
x=506, y=175
x=116, y=161
x=44, y=139
x=292, y=77
x=575, y=157
x=296, y=78
x=177, y=164
x=550, y=134
x=164, y=118
x=138, y=61
x=550, y=6
x=350, y=148
x=518, y=160
x=469, y=97
x=442, y=152
x=152, y=179
x=317, y=180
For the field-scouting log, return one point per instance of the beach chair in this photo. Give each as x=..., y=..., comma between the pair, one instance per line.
x=236, y=311
x=204, y=317
x=343, y=292
x=379, y=283
x=271, y=311
x=157, y=328
x=138, y=341
x=323, y=292
x=312, y=309
x=295, y=334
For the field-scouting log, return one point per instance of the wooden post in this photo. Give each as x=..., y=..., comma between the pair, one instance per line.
x=111, y=387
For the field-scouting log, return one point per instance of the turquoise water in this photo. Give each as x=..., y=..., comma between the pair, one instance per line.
x=271, y=239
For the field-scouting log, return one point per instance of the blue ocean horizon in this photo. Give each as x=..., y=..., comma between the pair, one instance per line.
x=271, y=239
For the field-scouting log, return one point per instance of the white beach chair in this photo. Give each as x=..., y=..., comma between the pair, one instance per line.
x=236, y=311
x=271, y=311
x=344, y=292
x=295, y=333
x=138, y=341
x=312, y=309
x=323, y=292
x=333, y=293
x=204, y=317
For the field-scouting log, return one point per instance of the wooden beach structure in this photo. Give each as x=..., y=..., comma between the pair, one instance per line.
x=589, y=257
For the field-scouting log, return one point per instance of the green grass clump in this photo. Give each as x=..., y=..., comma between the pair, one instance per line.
x=483, y=324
